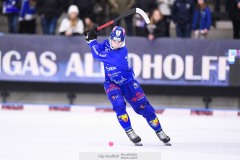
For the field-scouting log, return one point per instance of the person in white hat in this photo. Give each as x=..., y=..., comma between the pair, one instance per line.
x=71, y=25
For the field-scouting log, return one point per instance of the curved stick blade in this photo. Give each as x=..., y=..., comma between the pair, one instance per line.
x=143, y=14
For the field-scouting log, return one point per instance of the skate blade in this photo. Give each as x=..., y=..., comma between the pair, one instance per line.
x=167, y=144
x=138, y=144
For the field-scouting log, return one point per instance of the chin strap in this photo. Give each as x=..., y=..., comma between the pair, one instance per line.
x=123, y=45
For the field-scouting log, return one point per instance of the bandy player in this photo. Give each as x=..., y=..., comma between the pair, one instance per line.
x=120, y=83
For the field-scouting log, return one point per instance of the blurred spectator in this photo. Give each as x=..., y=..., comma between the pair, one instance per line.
x=85, y=7
x=165, y=7
x=27, y=18
x=157, y=26
x=138, y=22
x=182, y=12
x=90, y=22
x=139, y=25
x=50, y=11
x=98, y=6
x=1, y=6
x=217, y=5
x=11, y=8
x=146, y=6
x=71, y=25
x=119, y=7
x=66, y=5
x=99, y=12
x=234, y=14
x=201, y=20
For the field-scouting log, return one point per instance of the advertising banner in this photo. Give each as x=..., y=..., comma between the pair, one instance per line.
x=164, y=61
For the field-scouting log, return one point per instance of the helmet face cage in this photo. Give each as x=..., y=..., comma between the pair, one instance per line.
x=118, y=34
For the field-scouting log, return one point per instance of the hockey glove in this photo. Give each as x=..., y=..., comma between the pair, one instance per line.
x=91, y=34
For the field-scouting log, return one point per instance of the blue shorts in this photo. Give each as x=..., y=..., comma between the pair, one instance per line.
x=133, y=94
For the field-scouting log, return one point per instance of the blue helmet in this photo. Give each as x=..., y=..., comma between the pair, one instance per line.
x=118, y=34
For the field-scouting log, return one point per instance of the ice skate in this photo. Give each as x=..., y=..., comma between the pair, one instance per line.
x=164, y=138
x=134, y=137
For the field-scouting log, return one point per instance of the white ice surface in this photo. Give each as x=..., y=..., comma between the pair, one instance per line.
x=44, y=135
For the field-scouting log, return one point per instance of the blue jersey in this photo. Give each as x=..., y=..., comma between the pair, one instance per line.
x=27, y=11
x=116, y=63
x=11, y=6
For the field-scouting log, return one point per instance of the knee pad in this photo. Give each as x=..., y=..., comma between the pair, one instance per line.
x=145, y=109
x=119, y=105
x=114, y=95
x=148, y=112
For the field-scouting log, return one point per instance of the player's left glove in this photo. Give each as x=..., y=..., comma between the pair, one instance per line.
x=91, y=34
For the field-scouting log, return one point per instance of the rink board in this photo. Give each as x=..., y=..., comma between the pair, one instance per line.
x=93, y=108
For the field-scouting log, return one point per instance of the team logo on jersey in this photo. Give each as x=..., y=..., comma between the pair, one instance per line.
x=123, y=79
x=111, y=88
x=115, y=97
x=135, y=85
x=111, y=68
x=154, y=122
x=123, y=117
x=142, y=106
x=128, y=61
x=138, y=97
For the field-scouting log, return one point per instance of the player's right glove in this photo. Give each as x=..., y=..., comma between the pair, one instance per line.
x=91, y=34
